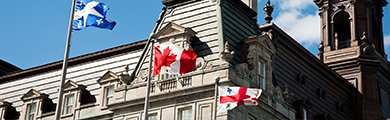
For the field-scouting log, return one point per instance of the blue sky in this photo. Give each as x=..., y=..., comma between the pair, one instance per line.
x=34, y=33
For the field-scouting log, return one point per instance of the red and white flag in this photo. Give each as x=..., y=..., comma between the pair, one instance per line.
x=173, y=59
x=230, y=97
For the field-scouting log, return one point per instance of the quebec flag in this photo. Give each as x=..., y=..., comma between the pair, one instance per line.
x=91, y=13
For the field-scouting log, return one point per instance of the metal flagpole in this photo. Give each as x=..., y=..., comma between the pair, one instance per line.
x=65, y=64
x=216, y=97
x=162, y=14
x=148, y=82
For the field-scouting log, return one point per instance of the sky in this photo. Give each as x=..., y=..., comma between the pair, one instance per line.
x=34, y=33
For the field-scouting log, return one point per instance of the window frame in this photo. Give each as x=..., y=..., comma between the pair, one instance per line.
x=28, y=111
x=153, y=115
x=304, y=112
x=261, y=76
x=66, y=105
x=181, y=110
x=106, y=97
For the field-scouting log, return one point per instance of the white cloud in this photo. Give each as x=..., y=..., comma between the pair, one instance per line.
x=302, y=27
x=294, y=19
x=387, y=40
x=294, y=4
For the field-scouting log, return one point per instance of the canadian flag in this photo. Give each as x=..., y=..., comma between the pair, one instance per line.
x=173, y=59
x=230, y=97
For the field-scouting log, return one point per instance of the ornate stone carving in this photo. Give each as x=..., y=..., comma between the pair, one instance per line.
x=287, y=96
x=301, y=79
x=142, y=76
x=268, y=9
x=226, y=55
x=251, y=57
x=341, y=107
x=322, y=94
x=201, y=64
x=243, y=69
x=125, y=77
x=278, y=93
x=368, y=48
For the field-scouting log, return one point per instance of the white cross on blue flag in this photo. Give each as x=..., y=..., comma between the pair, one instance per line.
x=91, y=13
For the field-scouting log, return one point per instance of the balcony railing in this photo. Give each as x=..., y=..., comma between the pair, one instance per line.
x=171, y=84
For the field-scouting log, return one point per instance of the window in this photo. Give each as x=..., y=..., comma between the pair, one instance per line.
x=304, y=114
x=108, y=95
x=302, y=108
x=152, y=117
x=185, y=114
x=261, y=72
x=30, y=111
x=68, y=106
x=342, y=30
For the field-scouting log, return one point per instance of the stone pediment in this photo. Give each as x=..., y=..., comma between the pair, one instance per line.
x=172, y=29
x=262, y=40
x=108, y=76
x=70, y=85
x=32, y=94
x=267, y=43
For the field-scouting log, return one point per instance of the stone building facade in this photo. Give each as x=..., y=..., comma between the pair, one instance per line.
x=233, y=50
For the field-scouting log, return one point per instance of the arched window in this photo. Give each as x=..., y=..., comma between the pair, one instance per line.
x=342, y=30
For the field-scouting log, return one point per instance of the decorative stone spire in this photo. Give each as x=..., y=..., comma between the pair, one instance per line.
x=226, y=55
x=268, y=9
x=125, y=77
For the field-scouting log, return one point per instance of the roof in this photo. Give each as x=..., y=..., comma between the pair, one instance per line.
x=6, y=68
x=74, y=61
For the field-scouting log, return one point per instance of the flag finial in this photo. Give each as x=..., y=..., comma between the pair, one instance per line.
x=268, y=9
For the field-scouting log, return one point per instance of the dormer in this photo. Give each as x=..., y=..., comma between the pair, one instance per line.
x=108, y=77
x=7, y=111
x=108, y=82
x=259, y=50
x=173, y=33
x=36, y=104
x=75, y=95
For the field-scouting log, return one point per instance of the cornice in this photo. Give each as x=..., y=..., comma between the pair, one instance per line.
x=74, y=61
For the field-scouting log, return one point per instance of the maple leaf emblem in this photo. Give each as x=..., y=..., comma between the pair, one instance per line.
x=167, y=59
x=162, y=59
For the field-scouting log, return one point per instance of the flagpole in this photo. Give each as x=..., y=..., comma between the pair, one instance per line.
x=134, y=73
x=65, y=63
x=152, y=35
x=148, y=82
x=216, y=97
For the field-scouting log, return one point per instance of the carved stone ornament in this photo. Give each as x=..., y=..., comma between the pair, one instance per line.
x=278, y=93
x=251, y=58
x=301, y=79
x=142, y=76
x=368, y=48
x=226, y=55
x=125, y=77
x=322, y=94
x=341, y=107
x=268, y=9
x=201, y=64
x=243, y=69
x=287, y=96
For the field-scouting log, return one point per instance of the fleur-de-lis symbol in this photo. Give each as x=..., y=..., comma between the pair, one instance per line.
x=99, y=21
x=229, y=91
